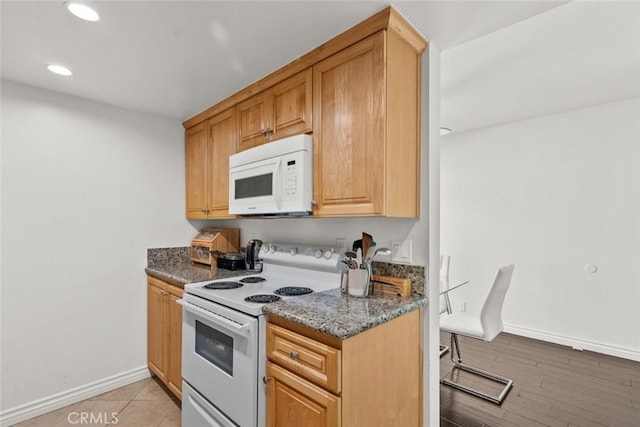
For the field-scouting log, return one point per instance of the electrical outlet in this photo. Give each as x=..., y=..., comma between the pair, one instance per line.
x=341, y=244
x=462, y=307
x=401, y=251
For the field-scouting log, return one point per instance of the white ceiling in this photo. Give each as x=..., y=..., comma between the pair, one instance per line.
x=176, y=58
x=578, y=55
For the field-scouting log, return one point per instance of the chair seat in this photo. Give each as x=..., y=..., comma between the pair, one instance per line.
x=443, y=307
x=462, y=323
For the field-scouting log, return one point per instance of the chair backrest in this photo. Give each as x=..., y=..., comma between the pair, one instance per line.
x=445, y=260
x=491, y=314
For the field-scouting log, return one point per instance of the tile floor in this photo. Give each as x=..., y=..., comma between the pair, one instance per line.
x=144, y=403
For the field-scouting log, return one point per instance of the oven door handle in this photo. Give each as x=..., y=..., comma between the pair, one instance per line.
x=216, y=318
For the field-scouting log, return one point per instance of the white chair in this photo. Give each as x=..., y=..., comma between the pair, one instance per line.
x=445, y=304
x=485, y=327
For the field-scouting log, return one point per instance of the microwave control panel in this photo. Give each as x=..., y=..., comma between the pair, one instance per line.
x=290, y=178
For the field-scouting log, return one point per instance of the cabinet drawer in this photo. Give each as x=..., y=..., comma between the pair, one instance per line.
x=317, y=362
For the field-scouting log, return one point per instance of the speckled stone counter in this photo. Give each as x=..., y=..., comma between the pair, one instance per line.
x=173, y=266
x=340, y=315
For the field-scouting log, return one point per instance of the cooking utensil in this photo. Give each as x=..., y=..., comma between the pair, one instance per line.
x=367, y=265
x=352, y=261
x=367, y=239
x=370, y=252
x=344, y=277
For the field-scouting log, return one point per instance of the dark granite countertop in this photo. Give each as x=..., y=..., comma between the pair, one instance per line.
x=342, y=316
x=173, y=266
x=331, y=312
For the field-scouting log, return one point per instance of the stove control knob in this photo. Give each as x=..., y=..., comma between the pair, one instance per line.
x=293, y=251
x=273, y=249
x=327, y=254
x=265, y=248
x=318, y=253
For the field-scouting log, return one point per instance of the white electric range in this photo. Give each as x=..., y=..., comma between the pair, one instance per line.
x=223, y=334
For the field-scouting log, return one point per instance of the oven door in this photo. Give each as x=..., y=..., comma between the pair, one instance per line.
x=220, y=357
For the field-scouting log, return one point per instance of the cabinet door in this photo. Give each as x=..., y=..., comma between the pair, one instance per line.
x=174, y=351
x=156, y=334
x=294, y=402
x=292, y=105
x=196, y=171
x=306, y=357
x=222, y=144
x=255, y=120
x=349, y=130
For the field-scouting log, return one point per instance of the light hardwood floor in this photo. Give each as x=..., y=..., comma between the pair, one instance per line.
x=144, y=403
x=553, y=386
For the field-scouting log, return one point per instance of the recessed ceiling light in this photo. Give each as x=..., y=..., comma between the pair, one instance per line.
x=59, y=69
x=82, y=11
x=444, y=131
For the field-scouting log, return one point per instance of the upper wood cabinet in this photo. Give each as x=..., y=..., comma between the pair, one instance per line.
x=359, y=94
x=282, y=110
x=366, y=129
x=196, y=171
x=207, y=150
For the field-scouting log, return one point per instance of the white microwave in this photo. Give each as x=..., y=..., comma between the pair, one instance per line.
x=273, y=179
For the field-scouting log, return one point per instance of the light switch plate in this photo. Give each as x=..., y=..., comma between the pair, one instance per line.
x=401, y=251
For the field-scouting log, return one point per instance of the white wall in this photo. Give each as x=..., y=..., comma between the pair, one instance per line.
x=326, y=230
x=550, y=195
x=86, y=189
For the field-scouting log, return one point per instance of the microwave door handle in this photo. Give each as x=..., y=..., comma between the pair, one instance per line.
x=278, y=181
x=216, y=318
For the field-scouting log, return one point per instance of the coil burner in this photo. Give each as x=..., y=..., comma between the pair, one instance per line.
x=293, y=291
x=223, y=285
x=263, y=298
x=253, y=279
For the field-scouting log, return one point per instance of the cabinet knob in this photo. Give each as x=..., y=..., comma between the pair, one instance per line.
x=266, y=379
x=294, y=355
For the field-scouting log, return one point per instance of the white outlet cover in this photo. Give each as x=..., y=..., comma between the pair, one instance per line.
x=401, y=251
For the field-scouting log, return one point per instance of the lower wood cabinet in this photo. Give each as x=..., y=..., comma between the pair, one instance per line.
x=164, y=333
x=293, y=401
x=371, y=379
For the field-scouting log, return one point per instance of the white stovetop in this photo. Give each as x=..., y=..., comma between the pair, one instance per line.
x=300, y=271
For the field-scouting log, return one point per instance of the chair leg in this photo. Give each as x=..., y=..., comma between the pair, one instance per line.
x=457, y=364
x=443, y=350
x=455, y=350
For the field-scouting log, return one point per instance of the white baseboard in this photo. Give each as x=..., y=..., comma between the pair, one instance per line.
x=60, y=400
x=625, y=353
